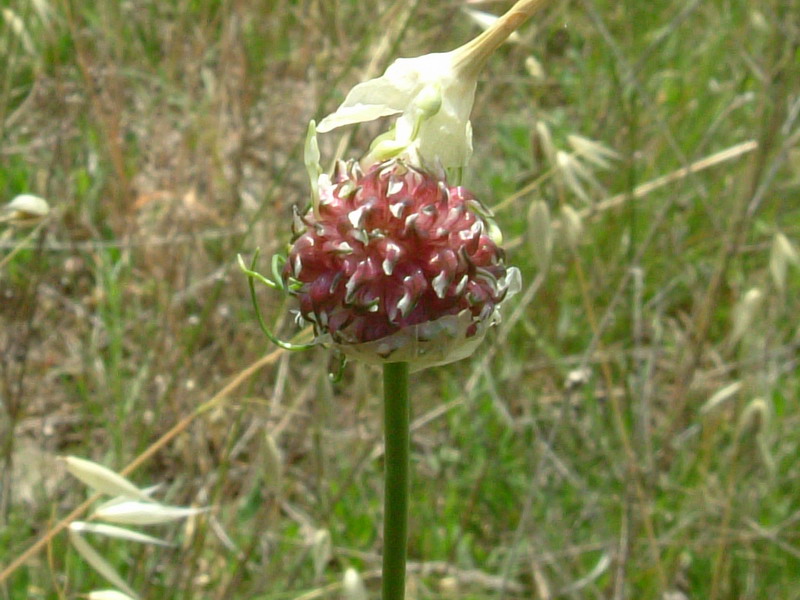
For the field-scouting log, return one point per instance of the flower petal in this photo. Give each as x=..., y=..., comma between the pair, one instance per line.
x=391, y=93
x=444, y=137
x=357, y=113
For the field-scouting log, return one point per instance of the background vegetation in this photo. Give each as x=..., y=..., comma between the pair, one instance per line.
x=630, y=430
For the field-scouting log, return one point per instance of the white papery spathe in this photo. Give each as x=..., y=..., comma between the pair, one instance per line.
x=409, y=87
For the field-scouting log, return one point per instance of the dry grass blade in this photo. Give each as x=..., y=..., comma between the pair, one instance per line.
x=597, y=571
x=108, y=595
x=165, y=439
x=100, y=564
x=641, y=190
x=117, y=532
x=145, y=513
x=644, y=189
x=17, y=26
x=720, y=397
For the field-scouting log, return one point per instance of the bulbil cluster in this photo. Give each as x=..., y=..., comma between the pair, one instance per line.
x=396, y=250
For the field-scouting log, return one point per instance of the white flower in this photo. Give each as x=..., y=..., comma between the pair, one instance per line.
x=433, y=94
x=435, y=100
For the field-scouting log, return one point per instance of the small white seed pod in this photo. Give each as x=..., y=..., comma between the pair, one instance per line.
x=540, y=232
x=353, y=586
x=273, y=465
x=745, y=313
x=25, y=210
x=782, y=254
x=321, y=550
x=573, y=225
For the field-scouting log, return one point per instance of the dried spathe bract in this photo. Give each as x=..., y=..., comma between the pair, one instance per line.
x=433, y=95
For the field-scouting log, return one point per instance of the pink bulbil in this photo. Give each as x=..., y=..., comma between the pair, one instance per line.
x=392, y=248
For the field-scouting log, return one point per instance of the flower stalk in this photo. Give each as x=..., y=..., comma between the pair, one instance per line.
x=395, y=524
x=433, y=96
x=470, y=58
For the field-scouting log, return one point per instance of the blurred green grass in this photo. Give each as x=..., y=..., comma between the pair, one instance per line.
x=166, y=136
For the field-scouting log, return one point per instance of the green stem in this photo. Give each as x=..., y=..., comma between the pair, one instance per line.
x=395, y=526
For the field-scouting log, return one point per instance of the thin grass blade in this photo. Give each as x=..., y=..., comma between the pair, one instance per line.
x=99, y=564
x=117, y=532
x=145, y=513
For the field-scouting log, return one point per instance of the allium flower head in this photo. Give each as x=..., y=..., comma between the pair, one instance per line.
x=396, y=265
x=391, y=262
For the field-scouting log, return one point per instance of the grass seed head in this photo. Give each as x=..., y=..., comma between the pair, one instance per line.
x=353, y=586
x=782, y=254
x=540, y=232
x=755, y=418
x=745, y=312
x=572, y=223
x=25, y=210
x=595, y=152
